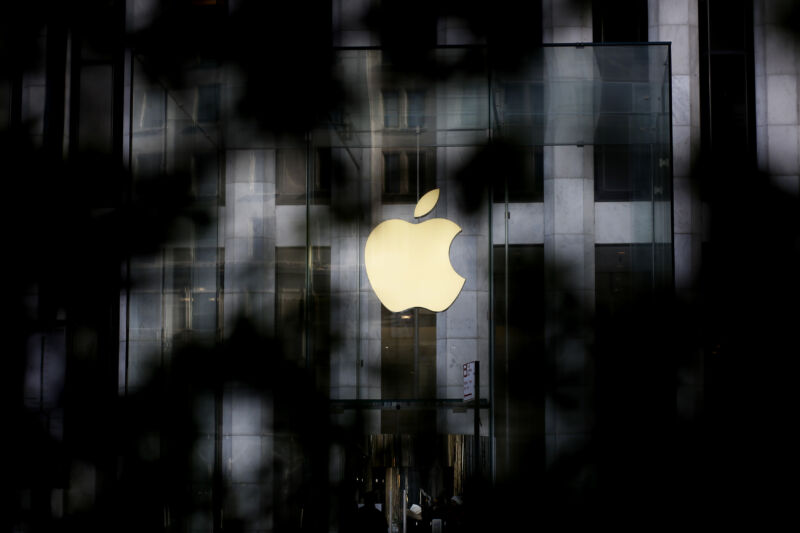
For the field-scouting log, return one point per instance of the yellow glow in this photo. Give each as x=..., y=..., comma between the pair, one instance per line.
x=408, y=265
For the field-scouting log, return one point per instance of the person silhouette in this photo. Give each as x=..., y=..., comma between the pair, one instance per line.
x=455, y=514
x=368, y=518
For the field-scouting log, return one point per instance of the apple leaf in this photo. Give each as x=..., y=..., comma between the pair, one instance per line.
x=426, y=203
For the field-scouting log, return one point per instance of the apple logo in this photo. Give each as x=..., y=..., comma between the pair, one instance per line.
x=408, y=264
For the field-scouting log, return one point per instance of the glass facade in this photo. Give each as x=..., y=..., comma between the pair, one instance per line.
x=560, y=179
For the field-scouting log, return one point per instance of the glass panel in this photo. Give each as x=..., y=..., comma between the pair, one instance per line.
x=623, y=172
x=408, y=358
x=524, y=176
x=586, y=95
x=174, y=294
x=151, y=108
x=584, y=173
x=416, y=109
x=414, y=356
x=623, y=275
x=173, y=307
x=391, y=109
x=208, y=103
x=291, y=174
x=520, y=359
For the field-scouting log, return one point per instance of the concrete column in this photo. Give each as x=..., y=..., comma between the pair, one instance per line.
x=249, y=237
x=462, y=333
x=569, y=291
x=569, y=259
x=675, y=21
x=348, y=348
x=777, y=66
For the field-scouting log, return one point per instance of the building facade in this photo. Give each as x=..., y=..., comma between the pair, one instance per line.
x=254, y=379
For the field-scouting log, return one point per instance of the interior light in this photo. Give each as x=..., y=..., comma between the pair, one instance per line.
x=405, y=317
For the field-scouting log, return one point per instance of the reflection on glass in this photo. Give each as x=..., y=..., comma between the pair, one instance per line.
x=208, y=103
x=391, y=109
x=408, y=367
x=520, y=357
x=623, y=274
x=327, y=169
x=416, y=109
x=150, y=106
x=303, y=316
x=524, y=181
x=403, y=170
x=191, y=293
x=622, y=172
x=292, y=165
x=408, y=359
x=205, y=175
x=471, y=106
x=297, y=269
x=291, y=176
x=148, y=165
x=523, y=100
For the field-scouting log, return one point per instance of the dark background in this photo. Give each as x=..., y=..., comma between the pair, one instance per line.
x=72, y=221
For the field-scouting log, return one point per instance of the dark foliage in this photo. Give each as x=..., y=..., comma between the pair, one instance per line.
x=72, y=224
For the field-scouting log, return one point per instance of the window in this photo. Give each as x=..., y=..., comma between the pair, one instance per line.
x=192, y=279
x=623, y=173
x=519, y=310
x=404, y=109
x=623, y=274
x=291, y=176
x=150, y=111
x=327, y=168
x=472, y=113
x=619, y=21
x=524, y=177
x=399, y=379
x=522, y=113
x=408, y=368
x=391, y=109
x=401, y=168
x=290, y=285
x=520, y=361
x=43, y=385
x=394, y=182
x=208, y=103
x=727, y=101
x=304, y=331
x=416, y=109
x=205, y=175
x=523, y=102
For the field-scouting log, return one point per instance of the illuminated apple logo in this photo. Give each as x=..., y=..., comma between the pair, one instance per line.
x=408, y=264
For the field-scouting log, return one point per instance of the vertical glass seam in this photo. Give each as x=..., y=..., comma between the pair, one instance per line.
x=309, y=259
x=129, y=199
x=490, y=134
x=671, y=163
